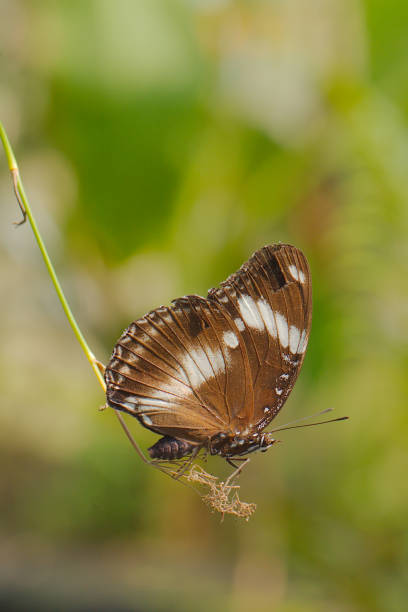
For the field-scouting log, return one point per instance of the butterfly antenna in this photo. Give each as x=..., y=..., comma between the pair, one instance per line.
x=309, y=416
x=309, y=424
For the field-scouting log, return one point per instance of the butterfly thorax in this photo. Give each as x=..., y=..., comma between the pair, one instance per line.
x=238, y=444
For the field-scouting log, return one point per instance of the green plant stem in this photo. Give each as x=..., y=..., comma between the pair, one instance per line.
x=27, y=213
x=26, y=210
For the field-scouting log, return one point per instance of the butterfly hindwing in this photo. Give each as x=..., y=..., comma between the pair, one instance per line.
x=180, y=370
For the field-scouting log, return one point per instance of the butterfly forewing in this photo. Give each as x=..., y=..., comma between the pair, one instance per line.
x=221, y=364
x=270, y=299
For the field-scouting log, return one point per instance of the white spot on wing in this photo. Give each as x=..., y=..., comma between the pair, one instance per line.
x=294, y=272
x=239, y=323
x=303, y=342
x=249, y=312
x=217, y=360
x=194, y=375
x=230, y=339
x=269, y=319
x=131, y=399
x=154, y=404
x=294, y=339
x=283, y=330
x=125, y=369
x=197, y=367
x=278, y=391
x=146, y=420
x=128, y=405
x=297, y=274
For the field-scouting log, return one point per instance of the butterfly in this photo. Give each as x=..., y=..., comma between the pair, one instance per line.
x=214, y=372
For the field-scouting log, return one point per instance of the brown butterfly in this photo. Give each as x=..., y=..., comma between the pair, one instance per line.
x=212, y=373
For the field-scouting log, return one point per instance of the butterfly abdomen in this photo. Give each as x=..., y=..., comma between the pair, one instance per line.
x=170, y=448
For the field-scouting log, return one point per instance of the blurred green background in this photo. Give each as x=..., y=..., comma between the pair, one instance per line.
x=161, y=143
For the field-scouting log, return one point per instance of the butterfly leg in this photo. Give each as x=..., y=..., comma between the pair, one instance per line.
x=139, y=451
x=131, y=438
x=205, y=454
x=238, y=470
x=242, y=459
x=183, y=468
x=100, y=366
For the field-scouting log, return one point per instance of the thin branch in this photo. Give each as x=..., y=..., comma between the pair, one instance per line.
x=27, y=214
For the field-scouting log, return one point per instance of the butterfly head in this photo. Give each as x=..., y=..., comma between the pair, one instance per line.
x=266, y=441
